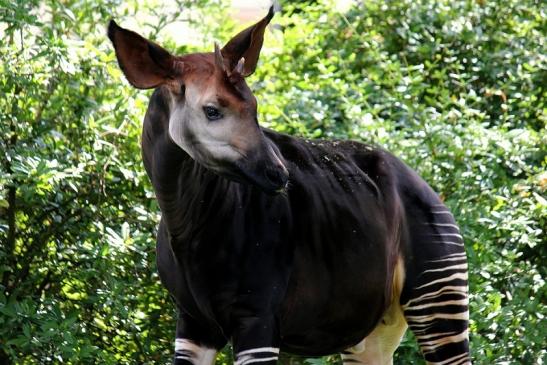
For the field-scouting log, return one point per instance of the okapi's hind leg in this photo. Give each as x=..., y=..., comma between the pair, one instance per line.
x=435, y=299
x=379, y=346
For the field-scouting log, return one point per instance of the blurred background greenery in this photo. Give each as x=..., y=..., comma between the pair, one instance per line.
x=456, y=88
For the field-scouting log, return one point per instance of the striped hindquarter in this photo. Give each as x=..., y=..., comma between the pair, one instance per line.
x=437, y=309
x=262, y=355
x=438, y=313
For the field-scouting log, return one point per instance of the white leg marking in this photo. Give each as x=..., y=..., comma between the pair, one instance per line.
x=253, y=355
x=259, y=349
x=250, y=361
x=196, y=354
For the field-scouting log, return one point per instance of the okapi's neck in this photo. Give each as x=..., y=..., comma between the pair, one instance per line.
x=188, y=193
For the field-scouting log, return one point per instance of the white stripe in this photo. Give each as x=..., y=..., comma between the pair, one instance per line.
x=448, y=234
x=443, y=225
x=449, y=243
x=454, y=255
x=247, y=356
x=445, y=212
x=184, y=344
x=425, y=337
x=250, y=361
x=449, y=289
x=450, y=259
x=454, y=267
x=275, y=350
x=184, y=357
x=462, y=275
x=437, y=304
x=432, y=345
x=201, y=355
x=431, y=317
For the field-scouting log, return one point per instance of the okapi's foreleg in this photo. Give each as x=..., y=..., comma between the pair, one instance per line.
x=188, y=352
x=256, y=340
x=435, y=301
x=190, y=349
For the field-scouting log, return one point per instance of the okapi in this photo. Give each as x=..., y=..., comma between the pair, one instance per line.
x=272, y=242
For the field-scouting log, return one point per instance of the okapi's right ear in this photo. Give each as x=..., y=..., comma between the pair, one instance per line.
x=247, y=45
x=144, y=63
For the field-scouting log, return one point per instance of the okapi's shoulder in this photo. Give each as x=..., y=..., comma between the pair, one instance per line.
x=345, y=156
x=295, y=148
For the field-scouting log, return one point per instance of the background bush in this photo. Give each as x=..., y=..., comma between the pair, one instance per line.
x=455, y=88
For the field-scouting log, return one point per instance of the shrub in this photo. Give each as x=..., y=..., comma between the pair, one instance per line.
x=456, y=89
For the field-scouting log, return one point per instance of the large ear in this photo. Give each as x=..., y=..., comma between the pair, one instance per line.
x=247, y=44
x=144, y=63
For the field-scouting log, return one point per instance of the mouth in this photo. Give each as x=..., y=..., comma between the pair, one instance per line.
x=269, y=174
x=271, y=180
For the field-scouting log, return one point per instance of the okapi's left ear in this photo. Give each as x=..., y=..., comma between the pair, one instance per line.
x=247, y=44
x=144, y=63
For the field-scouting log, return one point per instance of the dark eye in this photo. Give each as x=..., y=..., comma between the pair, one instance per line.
x=212, y=113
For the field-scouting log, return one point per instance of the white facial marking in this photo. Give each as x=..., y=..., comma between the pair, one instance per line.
x=208, y=142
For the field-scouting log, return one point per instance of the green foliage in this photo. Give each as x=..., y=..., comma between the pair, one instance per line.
x=77, y=214
x=455, y=88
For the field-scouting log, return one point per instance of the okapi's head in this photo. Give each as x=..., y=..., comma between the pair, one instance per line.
x=213, y=114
